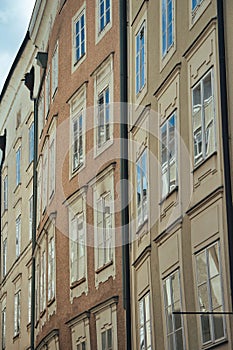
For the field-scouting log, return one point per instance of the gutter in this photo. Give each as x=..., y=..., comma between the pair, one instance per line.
x=124, y=168
x=225, y=135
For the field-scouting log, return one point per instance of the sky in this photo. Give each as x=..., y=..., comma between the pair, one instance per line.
x=14, y=20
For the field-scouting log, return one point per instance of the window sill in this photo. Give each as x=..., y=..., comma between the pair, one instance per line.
x=50, y=302
x=215, y=345
x=77, y=283
x=101, y=34
x=77, y=63
x=175, y=189
x=203, y=161
x=17, y=187
x=104, y=147
x=105, y=266
x=16, y=337
x=29, y=168
x=42, y=313
x=142, y=229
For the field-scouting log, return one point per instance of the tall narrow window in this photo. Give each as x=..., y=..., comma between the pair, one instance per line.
x=41, y=112
x=18, y=236
x=203, y=119
x=77, y=132
x=18, y=160
x=30, y=216
x=168, y=155
x=5, y=193
x=172, y=303
x=142, y=193
x=4, y=258
x=47, y=93
x=43, y=282
x=82, y=346
x=29, y=299
x=17, y=314
x=167, y=25
x=31, y=142
x=4, y=329
x=140, y=59
x=37, y=291
x=77, y=248
x=103, y=117
x=51, y=269
x=55, y=71
x=145, y=323
x=210, y=293
x=45, y=179
x=104, y=229
x=52, y=166
x=79, y=37
x=104, y=13
x=106, y=340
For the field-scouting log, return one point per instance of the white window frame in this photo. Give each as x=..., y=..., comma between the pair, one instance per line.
x=17, y=312
x=30, y=216
x=140, y=59
x=51, y=269
x=104, y=108
x=45, y=171
x=104, y=229
x=4, y=328
x=18, y=236
x=210, y=278
x=105, y=339
x=76, y=137
x=77, y=60
x=166, y=166
x=29, y=299
x=52, y=164
x=77, y=261
x=167, y=285
x=31, y=142
x=43, y=281
x=202, y=155
x=4, y=258
x=5, y=193
x=104, y=16
x=144, y=322
x=142, y=209
x=47, y=93
x=55, y=71
x=164, y=31
x=18, y=166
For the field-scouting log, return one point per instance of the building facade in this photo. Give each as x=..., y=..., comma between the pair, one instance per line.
x=77, y=286
x=180, y=262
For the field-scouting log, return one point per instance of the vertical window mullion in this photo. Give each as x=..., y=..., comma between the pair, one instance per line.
x=209, y=296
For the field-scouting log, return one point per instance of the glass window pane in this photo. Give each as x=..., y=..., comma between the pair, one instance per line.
x=205, y=327
x=218, y=325
x=216, y=291
x=179, y=340
x=177, y=317
x=201, y=268
x=213, y=260
x=203, y=297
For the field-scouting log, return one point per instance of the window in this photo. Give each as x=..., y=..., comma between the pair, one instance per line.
x=104, y=229
x=140, y=59
x=5, y=193
x=79, y=37
x=81, y=346
x=4, y=329
x=45, y=179
x=203, y=118
x=51, y=269
x=106, y=340
x=43, y=282
x=55, y=71
x=104, y=13
x=52, y=166
x=18, y=159
x=167, y=25
x=172, y=303
x=37, y=290
x=168, y=155
x=18, y=236
x=29, y=299
x=195, y=4
x=30, y=216
x=103, y=117
x=142, y=188
x=210, y=293
x=41, y=105
x=145, y=323
x=4, y=258
x=17, y=314
x=31, y=142
x=77, y=248
x=47, y=93
x=77, y=147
